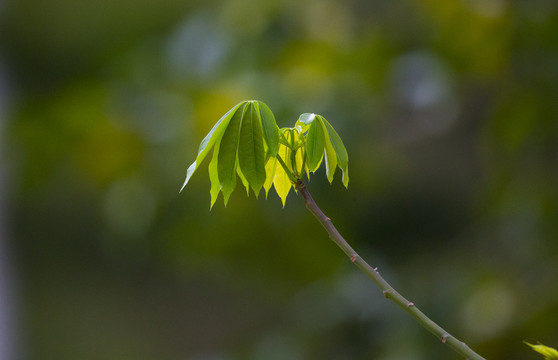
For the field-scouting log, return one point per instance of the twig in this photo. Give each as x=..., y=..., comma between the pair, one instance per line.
x=388, y=291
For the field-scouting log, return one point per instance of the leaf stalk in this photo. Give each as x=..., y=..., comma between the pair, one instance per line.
x=287, y=170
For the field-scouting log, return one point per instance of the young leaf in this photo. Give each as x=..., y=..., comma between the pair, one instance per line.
x=251, y=154
x=226, y=166
x=270, y=129
x=243, y=179
x=214, y=176
x=315, y=143
x=340, y=151
x=548, y=352
x=299, y=161
x=270, y=167
x=330, y=157
x=214, y=134
x=281, y=181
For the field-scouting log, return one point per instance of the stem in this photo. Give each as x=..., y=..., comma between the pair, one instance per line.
x=388, y=291
x=287, y=171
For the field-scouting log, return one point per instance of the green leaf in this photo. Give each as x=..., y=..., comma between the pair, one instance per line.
x=251, y=154
x=281, y=181
x=299, y=161
x=270, y=128
x=243, y=179
x=282, y=184
x=340, y=151
x=226, y=166
x=270, y=167
x=548, y=352
x=315, y=143
x=330, y=157
x=214, y=176
x=215, y=134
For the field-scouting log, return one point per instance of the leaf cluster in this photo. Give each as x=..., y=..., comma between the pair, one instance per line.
x=247, y=143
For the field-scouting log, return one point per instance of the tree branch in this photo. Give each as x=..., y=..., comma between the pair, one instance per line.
x=388, y=291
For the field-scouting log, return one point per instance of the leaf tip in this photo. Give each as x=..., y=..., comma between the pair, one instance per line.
x=226, y=198
x=346, y=178
x=213, y=201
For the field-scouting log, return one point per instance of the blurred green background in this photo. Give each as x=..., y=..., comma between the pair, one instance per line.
x=449, y=112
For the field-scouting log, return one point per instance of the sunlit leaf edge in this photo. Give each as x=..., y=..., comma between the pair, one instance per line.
x=207, y=143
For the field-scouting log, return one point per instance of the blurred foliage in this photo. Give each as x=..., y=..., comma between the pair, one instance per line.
x=548, y=352
x=450, y=112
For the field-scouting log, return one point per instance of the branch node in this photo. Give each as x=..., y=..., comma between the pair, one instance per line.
x=410, y=303
x=353, y=258
x=375, y=269
x=386, y=294
x=327, y=219
x=445, y=338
